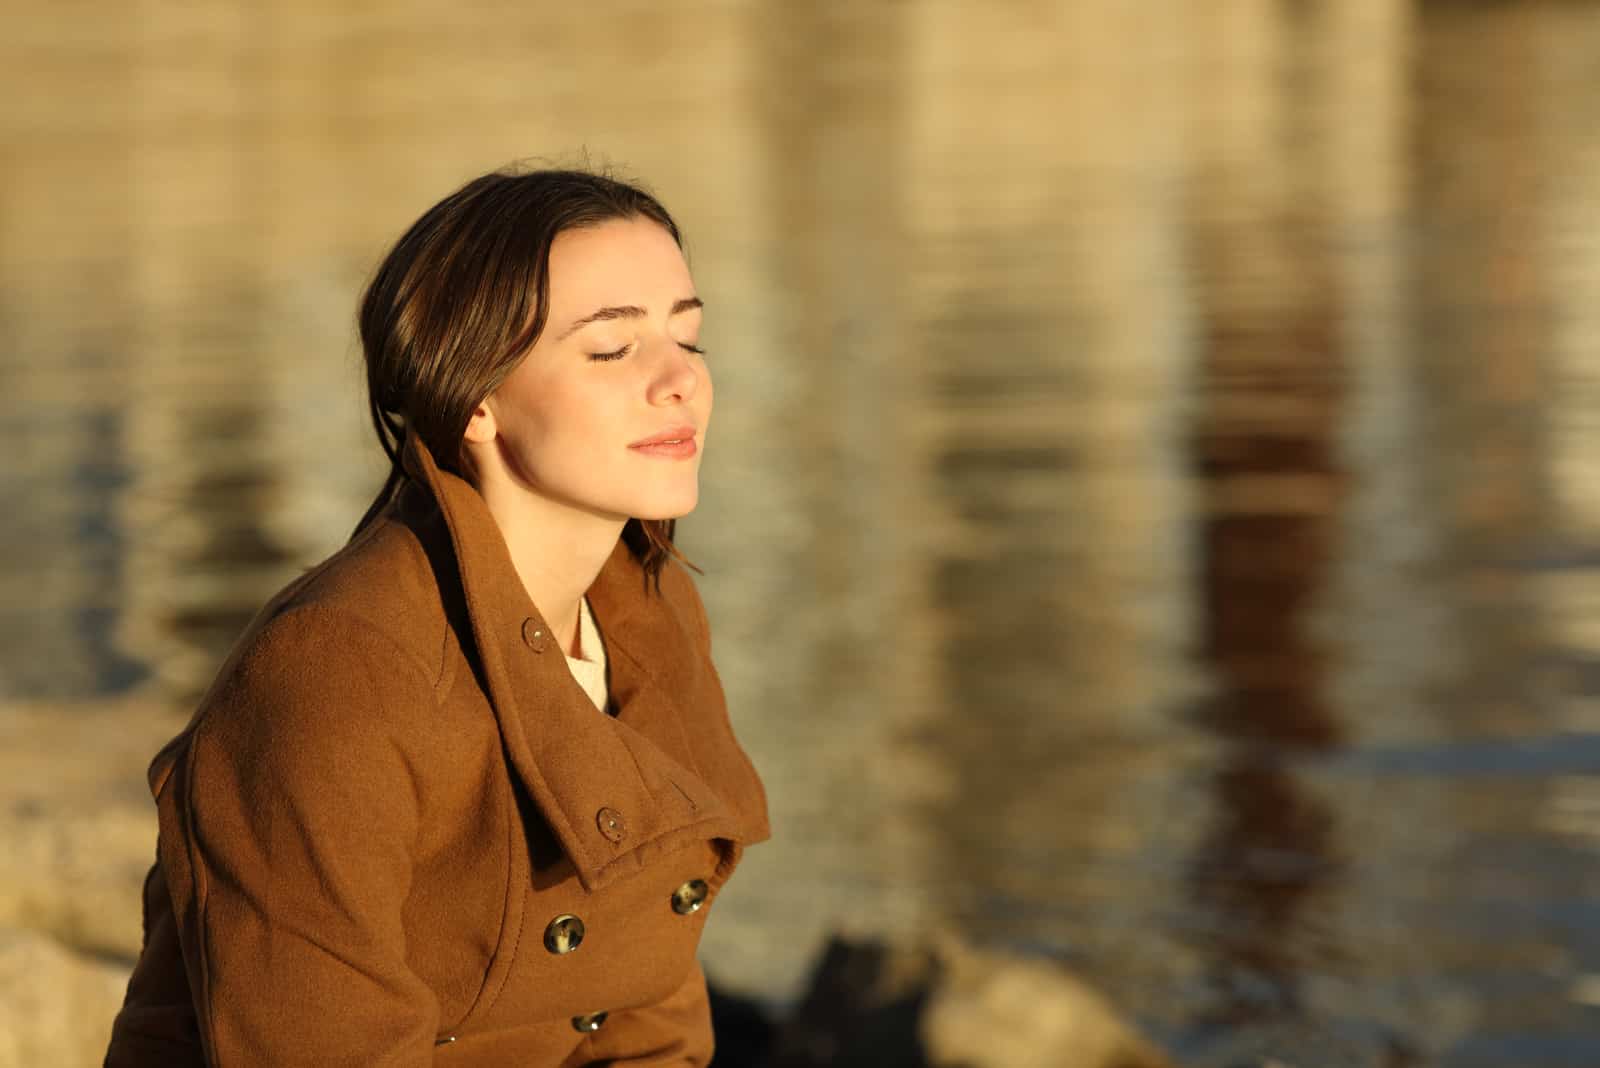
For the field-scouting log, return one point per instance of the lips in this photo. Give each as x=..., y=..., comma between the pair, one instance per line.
x=671, y=435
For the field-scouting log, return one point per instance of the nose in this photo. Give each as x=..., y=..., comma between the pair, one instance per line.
x=675, y=375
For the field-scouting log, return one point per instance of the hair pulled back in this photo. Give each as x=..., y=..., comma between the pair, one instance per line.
x=462, y=297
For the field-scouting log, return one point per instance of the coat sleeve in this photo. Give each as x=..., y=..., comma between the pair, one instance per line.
x=289, y=834
x=673, y=1033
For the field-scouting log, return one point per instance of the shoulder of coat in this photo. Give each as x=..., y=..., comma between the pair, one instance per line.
x=383, y=585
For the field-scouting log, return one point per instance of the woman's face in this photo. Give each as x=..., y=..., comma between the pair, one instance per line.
x=616, y=364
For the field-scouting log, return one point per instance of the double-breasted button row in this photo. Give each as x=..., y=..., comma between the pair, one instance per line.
x=565, y=933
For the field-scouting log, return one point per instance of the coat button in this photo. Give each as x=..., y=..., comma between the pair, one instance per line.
x=589, y=1022
x=688, y=897
x=564, y=934
x=611, y=824
x=533, y=634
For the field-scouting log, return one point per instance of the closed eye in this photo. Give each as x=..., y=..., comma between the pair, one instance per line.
x=697, y=350
x=617, y=355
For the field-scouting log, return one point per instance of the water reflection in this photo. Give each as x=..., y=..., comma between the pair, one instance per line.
x=1149, y=517
x=97, y=477
x=1273, y=377
x=219, y=558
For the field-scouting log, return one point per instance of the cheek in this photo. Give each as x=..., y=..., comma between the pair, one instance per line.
x=542, y=427
x=585, y=423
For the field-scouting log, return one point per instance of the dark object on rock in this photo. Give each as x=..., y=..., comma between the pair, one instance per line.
x=744, y=1031
x=862, y=1010
x=946, y=1004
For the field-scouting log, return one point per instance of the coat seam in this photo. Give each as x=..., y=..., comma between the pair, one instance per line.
x=199, y=891
x=481, y=1004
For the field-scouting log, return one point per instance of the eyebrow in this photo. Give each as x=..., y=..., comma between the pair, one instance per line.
x=628, y=311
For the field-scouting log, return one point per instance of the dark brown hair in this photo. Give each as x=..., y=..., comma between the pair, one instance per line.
x=462, y=297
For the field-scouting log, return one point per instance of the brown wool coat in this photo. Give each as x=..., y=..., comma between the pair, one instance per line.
x=395, y=785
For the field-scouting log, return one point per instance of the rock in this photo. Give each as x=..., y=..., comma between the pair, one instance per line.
x=992, y=1009
x=77, y=825
x=56, y=1006
x=77, y=834
x=77, y=876
x=946, y=1004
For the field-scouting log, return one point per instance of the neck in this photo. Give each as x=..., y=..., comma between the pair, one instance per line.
x=557, y=550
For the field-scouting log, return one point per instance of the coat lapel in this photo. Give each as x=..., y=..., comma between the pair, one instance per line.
x=574, y=760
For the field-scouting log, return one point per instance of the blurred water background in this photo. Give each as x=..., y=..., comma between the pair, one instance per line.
x=1150, y=514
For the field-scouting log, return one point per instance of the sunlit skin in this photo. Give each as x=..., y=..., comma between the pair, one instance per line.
x=550, y=448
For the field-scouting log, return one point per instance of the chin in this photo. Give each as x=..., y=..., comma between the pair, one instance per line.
x=665, y=509
x=663, y=513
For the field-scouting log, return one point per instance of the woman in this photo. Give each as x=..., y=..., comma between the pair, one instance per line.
x=464, y=792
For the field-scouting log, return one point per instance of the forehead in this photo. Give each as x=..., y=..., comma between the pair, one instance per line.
x=619, y=261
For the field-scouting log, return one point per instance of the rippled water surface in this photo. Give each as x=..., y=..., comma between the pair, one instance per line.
x=1151, y=515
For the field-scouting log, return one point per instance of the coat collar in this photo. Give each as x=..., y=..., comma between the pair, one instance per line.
x=575, y=761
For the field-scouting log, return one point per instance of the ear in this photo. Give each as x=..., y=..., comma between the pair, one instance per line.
x=481, y=428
